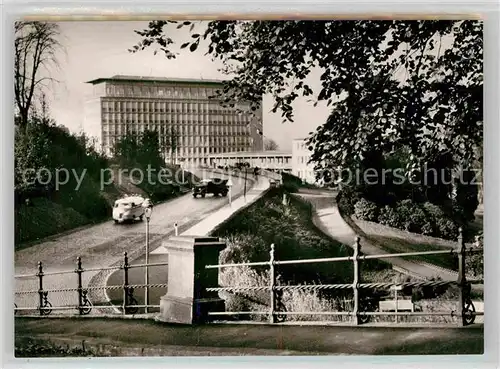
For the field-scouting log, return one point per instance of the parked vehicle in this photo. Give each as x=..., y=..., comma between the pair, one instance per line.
x=128, y=208
x=215, y=186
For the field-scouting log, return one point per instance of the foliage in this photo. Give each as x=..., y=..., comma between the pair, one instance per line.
x=376, y=74
x=43, y=348
x=427, y=218
x=466, y=199
x=446, y=229
x=36, y=45
x=390, y=217
x=291, y=183
x=44, y=218
x=412, y=86
x=290, y=229
x=366, y=210
x=411, y=215
x=474, y=263
x=347, y=199
x=42, y=151
x=48, y=147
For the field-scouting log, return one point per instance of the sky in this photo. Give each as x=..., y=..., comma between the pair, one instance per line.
x=95, y=49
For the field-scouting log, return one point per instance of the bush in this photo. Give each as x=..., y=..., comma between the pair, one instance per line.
x=475, y=262
x=366, y=210
x=427, y=229
x=42, y=348
x=433, y=211
x=412, y=216
x=447, y=229
x=389, y=217
x=291, y=183
x=346, y=199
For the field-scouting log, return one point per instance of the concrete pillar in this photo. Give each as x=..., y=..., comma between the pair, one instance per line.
x=187, y=301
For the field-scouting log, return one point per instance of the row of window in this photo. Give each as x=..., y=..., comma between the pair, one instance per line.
x=191, y=92
x=183, y=120
x=198, y=140
x=212, y=107
x=176, y=111
x=192, y=149
x=178, y=130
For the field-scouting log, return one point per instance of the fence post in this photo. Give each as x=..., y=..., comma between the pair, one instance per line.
x=272, y=318
x=40, y=286
x=125, y=282
x=461, y=279
x=355, y=281
x=79, y=272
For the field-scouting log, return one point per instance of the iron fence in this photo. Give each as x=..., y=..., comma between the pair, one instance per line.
x=84, y=305
x=363, y=308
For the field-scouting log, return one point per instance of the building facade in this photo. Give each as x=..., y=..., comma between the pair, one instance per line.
x=187, y=118
x=271, y=160
x=300, y=161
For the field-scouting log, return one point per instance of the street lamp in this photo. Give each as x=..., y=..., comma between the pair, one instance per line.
x=147, y=212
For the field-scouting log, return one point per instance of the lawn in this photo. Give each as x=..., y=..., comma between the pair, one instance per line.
x=396, y=245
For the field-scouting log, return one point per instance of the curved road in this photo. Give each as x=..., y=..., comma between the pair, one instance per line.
x=103, y=245
x=332, y=223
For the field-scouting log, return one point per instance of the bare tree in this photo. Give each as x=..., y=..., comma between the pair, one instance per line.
x=36, y=45
x=270, y=145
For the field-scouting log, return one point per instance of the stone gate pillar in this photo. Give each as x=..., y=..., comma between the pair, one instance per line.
x=187, y=301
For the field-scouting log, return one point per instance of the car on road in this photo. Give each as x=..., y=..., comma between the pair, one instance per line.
x=215, y=186
x=128, y=208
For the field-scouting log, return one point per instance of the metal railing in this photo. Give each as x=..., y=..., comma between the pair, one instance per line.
x=85, y=306
x=362, y=309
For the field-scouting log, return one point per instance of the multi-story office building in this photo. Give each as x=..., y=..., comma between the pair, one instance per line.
x=180, y=108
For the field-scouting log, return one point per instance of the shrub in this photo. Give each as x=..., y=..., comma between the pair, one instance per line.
x=43, y=348
x=427, y=229
x=433, y=211
x=447, y=229
x=412, y=216
x=347, y=198
x=366, y=210
x=475, y=262
x=389, y=216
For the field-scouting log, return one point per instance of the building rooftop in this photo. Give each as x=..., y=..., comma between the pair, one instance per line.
x=124, y=78
x=251, y=153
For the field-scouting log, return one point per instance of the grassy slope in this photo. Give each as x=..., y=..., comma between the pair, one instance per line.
x=45, y=218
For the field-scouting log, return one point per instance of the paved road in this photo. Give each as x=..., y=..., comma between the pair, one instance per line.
x=104, y=244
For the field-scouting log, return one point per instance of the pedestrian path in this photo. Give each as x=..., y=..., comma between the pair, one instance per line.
x=329, y=220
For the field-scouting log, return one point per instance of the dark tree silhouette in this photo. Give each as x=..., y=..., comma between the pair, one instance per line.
x=36, y=45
